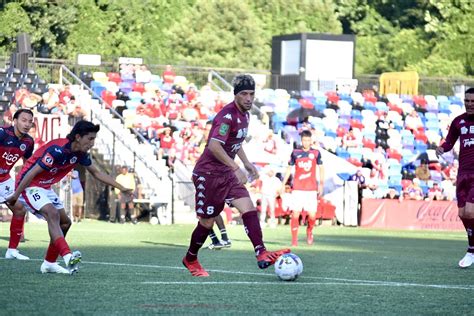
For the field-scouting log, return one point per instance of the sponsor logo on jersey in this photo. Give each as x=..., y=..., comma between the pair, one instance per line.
x=58, y=150
x=305, y=165
x=22, y=147
x=468, y=142
x=10, y=158
x=47, y=181
x=48, y=160
x=464, y=130
x=236, y=147
x=3, y=171
x=223, y=129
x=228, y=116
x=54, y=170
x=9, y=142
x=73, y=160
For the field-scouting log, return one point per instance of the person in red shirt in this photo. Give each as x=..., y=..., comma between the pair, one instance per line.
x=462, y=128
x=168, y=76
x=48, y=165
x=219, y=180
x=307, y=185
x=15, y=143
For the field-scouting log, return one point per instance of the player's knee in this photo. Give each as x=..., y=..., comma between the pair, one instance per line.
x=19, y=210
x=65, y=225
x=207, y=222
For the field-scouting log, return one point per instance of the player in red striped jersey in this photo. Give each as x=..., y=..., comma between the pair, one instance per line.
x=48, y=165
x=462, y=127
x=15, y=143
x=306, y=187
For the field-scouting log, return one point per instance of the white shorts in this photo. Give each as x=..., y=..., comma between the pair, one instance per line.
x=304, y=200
x=34, y=198
x=7, y=188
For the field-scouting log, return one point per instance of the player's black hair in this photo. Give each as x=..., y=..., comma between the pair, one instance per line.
x=469, y=91
x=305, y=133
x=82, y=128
x=243, y=82
x=17, y=113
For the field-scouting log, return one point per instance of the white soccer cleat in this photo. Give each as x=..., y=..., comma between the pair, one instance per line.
x=52, y=267
x=467, y=260
x=15, y=254
x=73, y=263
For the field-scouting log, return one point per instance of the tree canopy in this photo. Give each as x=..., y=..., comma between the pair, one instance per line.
x=430, y=36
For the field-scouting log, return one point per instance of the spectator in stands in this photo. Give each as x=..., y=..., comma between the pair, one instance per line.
x=189, y=113
x=451, y=171
x=127, y=180
x=413, y=191
x=74, y=111
x=422, y=172
x=413, y=121
x=349, y=140
x=393, y=194
x=31, y=101
x=435, y=193
x=168, y=76
x=191, y=94
x=50, y=101
x=372, y=183
x=203, y=142
x=269, y=144
x=65, y=95
x=166, y=142
x=142, y=74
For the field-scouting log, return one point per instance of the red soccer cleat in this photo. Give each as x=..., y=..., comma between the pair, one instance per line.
x=195, y=268
x=268, y=258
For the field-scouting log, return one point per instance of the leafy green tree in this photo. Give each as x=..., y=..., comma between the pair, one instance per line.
x=220, y=33
x=14, y=20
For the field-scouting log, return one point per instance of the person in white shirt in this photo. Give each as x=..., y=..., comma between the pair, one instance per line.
x=270, y=189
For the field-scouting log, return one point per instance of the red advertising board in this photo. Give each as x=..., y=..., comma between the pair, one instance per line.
x=408, y=214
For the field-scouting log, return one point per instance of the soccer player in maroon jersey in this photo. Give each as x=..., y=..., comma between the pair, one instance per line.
x=462, y=127
x=306, y=187
x=218, y=179
x=48, y=165
x=15, y=143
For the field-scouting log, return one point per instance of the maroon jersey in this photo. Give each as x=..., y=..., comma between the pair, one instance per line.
x=57, y=159
x=305, y=168
x=462, y=127
x=13, y=148
x=229, y=127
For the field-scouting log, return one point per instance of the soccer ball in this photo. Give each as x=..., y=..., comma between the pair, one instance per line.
x=288, y=267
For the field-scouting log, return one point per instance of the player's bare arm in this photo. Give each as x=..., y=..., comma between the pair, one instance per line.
x=24, y=184
x=285, y=179
x=107, y=179
x=321, y=181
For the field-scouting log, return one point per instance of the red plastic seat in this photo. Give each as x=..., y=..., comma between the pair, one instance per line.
x=139, y=87
x=368, y=143
x=114, y=77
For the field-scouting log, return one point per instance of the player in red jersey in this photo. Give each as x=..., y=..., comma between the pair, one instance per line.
x=462, y=127
x=219, y=180
x=306, y=187
x=48, y=165
x=15, y=143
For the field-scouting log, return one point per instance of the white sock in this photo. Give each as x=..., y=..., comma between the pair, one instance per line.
x=66, y=258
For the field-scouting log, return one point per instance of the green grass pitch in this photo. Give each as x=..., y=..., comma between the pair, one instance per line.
x=130, y=270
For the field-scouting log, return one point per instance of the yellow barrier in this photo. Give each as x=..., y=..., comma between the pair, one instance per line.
x=399, y=83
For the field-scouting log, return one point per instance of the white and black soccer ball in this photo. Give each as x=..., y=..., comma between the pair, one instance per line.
x=288, y=267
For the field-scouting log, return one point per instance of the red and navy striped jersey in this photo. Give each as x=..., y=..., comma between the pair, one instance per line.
x=57, y=159
x=305, y=168
x=13, y=148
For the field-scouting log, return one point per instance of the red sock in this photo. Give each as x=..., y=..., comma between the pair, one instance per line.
x=62, y=247
x=253, y=230
x=311, y=221
x=294, y=225
x=198, y=238
x=16, y=228
x=52, y=253
x=469, y=225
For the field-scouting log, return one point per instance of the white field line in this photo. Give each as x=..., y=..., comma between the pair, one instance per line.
x=331, y=281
